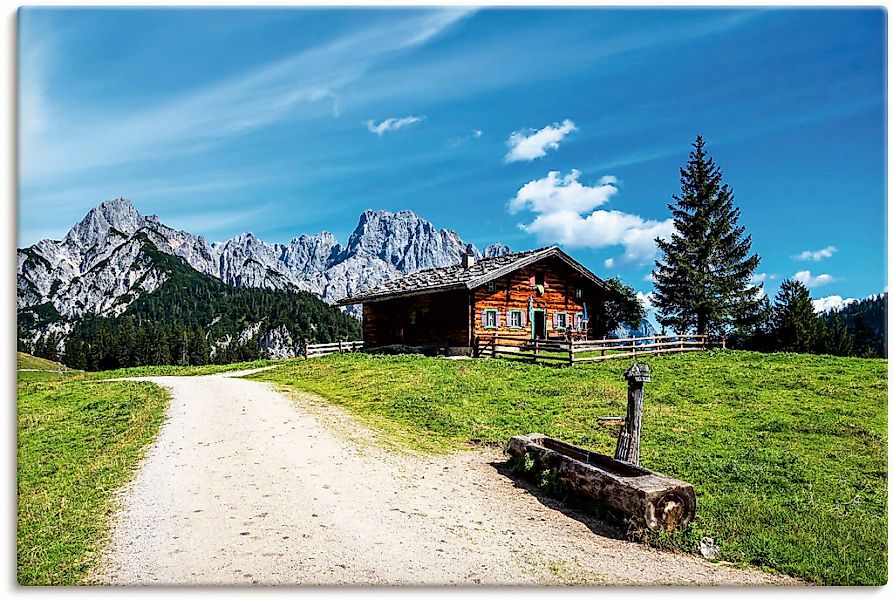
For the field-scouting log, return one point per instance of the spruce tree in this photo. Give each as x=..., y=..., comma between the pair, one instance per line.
x=795, y=325
x=703, y=283
x=838, y=340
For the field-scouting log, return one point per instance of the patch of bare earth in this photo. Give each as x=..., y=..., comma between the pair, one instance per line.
x=247, y=486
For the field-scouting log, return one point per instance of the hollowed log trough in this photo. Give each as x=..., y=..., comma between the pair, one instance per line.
x=656, y=501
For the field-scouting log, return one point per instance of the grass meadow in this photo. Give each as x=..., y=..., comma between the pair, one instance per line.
x=787, y=453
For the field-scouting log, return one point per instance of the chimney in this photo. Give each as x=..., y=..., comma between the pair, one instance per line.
x=468, y=257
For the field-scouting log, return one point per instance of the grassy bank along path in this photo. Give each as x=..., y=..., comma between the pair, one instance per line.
x=787, y=453
x=78, y=441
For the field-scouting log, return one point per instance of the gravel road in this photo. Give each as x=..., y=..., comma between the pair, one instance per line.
x=245, y=485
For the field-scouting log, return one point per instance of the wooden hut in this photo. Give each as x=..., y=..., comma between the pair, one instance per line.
x=539, y=294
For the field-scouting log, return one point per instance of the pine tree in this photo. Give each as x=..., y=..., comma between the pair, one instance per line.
x=838, y=340
x=703, y=282
x=795, y=325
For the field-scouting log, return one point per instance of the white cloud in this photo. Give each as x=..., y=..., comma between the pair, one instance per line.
x=649, y=276
x=530, y=145
x=647, y=300
x=810, y=281
x=825, y=252
x=565, y=214
x=387, y=125
x=554, y=193
x=758, y=278
x=830, y=302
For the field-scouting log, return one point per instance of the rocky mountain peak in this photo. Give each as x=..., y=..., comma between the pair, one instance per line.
x=117, y=214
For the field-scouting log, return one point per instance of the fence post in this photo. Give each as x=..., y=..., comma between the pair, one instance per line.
x=536, y=349
x=494, y=345
x=723, y=342
x=304, y=347
x=631, y=433
x=340, y=351
x=570, y=352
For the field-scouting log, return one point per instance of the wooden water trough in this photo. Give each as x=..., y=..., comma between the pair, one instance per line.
x=648, y=498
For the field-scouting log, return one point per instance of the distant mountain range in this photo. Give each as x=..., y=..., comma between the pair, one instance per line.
x=114, y=257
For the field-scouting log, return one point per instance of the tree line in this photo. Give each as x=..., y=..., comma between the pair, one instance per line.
x=792, y=325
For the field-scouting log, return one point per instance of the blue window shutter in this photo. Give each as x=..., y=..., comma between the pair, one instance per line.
x=497, y=318
x=554, y=319
x=523, y=319
x=483, y=317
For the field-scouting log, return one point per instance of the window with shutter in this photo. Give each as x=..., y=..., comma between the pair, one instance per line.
x=515, y=319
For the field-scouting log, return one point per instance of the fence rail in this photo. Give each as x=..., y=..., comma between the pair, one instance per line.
x=576, y=351
x=308, y=350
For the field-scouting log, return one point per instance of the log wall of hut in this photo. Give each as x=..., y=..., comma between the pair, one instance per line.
x=427, y=319
x=560, y=283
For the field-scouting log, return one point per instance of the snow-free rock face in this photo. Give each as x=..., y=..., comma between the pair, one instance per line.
x=645, y=329
x=497, y=249
x=102, y=264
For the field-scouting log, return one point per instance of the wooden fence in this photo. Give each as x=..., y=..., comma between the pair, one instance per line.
x=576, y=351
x=309, y=350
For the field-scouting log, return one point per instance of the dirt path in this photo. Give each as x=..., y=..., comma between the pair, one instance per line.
x=246, y=486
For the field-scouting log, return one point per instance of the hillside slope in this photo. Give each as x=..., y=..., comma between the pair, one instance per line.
x=29, y=362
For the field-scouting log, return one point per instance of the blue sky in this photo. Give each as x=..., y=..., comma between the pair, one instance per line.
x=523, y=126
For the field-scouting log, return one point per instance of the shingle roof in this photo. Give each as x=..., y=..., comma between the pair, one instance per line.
x=458, y=277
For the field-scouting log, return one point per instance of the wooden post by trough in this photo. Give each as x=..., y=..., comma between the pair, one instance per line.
x=646, y=497
x=628, y=440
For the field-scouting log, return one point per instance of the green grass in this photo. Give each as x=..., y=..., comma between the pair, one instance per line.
x=26, y=361
x=787, y=453
x=160, y=370
x=78, y=441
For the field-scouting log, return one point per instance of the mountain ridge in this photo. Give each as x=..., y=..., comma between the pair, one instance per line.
x=100, y=267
